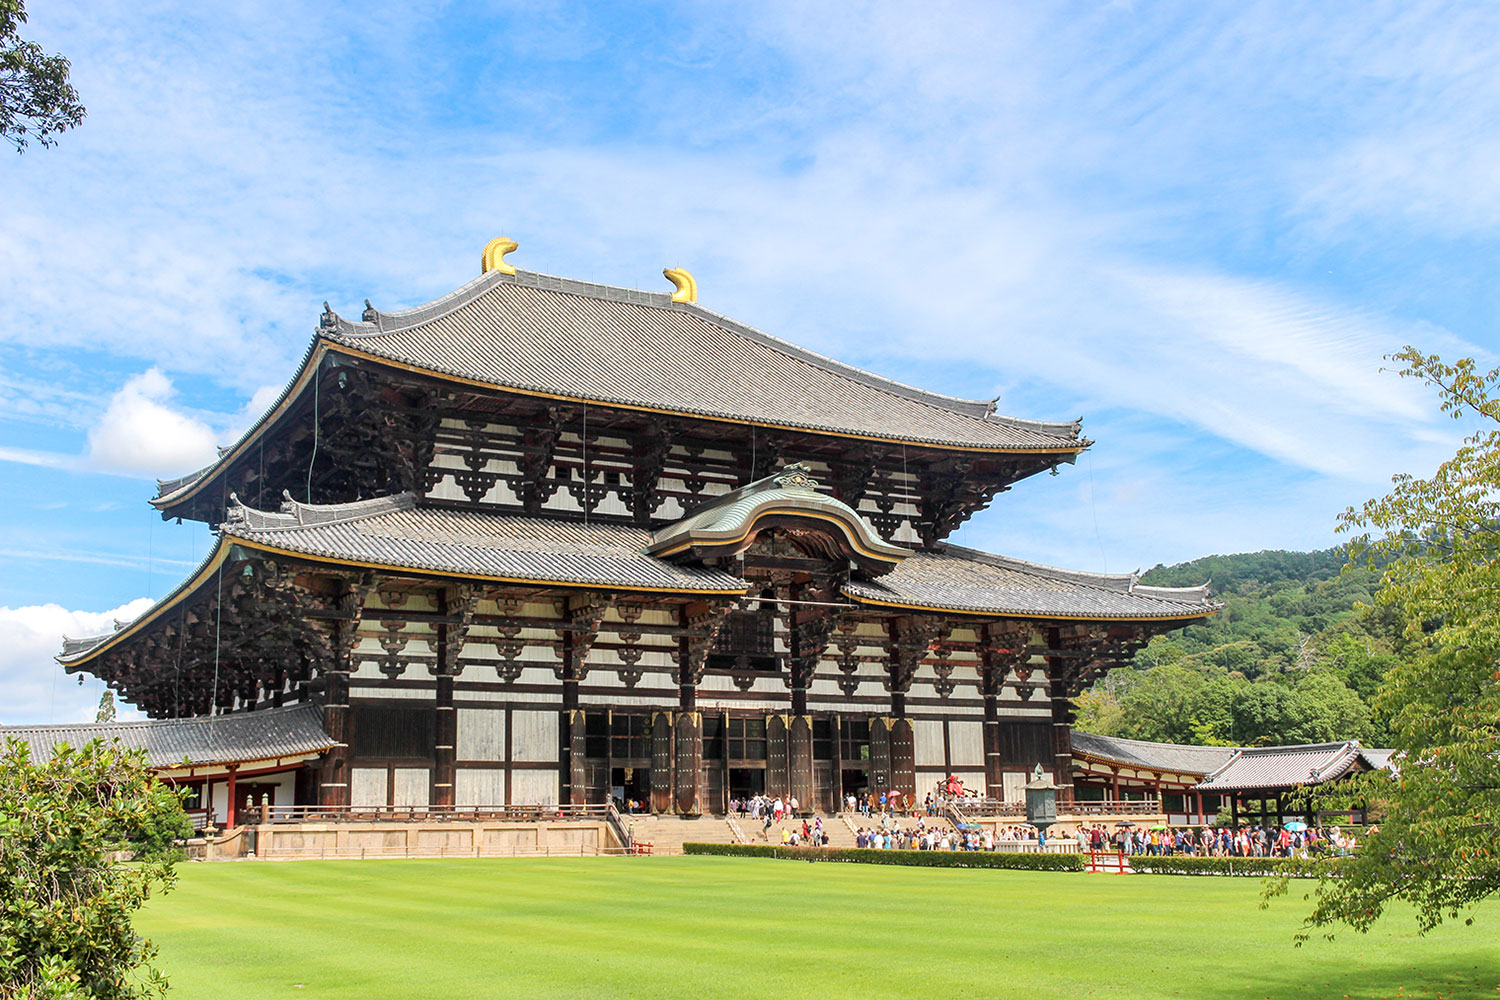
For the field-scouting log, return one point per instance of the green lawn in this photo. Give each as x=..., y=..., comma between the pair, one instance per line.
x=710, y=927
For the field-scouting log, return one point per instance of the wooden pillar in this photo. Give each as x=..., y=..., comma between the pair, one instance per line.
x=445, y=723
x=800, y=761
x=577, y=776
x=338, y=722
x=1062, y=740
x=1114, y=783
x=994, y=754
x=880, y=755
x=903, y=759
x=1199, y=796
x=778, y=756
x=661, y=762
x=690, y=787
x=445, y=730
x=688, y=784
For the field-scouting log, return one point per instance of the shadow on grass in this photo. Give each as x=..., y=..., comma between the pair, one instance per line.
x=1318, y=976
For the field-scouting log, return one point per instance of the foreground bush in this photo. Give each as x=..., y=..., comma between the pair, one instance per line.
x=65, y=907
x=916, y=859
x=1179, y=864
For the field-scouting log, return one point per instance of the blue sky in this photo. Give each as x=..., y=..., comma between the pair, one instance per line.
x=1197, y=226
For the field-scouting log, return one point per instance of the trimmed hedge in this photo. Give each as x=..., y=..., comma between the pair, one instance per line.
x=918, y=859
x=1182, y=864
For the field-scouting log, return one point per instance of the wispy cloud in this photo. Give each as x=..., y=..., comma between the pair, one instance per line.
x=1199, y=227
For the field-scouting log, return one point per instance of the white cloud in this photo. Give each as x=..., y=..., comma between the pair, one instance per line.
x=140, y=433
x=36, y=688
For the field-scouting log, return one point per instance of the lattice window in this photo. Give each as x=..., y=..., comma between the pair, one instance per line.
x=747, y=641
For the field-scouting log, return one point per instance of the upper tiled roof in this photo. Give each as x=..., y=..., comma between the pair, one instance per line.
x=394, y=532
x=1287, y=767
x=960, y=579
x=540, y=333
x=1173, y=757
x=242, y=736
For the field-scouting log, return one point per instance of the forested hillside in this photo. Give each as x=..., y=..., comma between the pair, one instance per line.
x=1294, y=657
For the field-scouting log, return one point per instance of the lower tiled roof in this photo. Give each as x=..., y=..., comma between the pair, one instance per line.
x=395, y=532
x=1173, y=757
x=961, y=579
x=222, y=739
x=1287, y=767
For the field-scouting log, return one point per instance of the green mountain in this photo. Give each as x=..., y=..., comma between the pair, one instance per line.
x=1294, y=657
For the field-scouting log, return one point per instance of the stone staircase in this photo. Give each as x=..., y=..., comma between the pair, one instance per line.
x=667, y=834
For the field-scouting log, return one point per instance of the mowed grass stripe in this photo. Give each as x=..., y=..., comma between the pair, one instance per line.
x=711, y=927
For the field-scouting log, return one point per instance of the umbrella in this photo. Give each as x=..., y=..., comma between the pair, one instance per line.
x=1124, y=822
x=1158, y=827
x=1296, y=826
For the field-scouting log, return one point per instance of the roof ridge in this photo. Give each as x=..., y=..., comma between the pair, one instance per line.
x=1120, y=583
x=1155, y=743
x=298, y=514
x=159, y=723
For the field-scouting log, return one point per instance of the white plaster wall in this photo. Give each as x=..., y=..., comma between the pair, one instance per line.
x=533, y=737
x=479, y=786
x=367, y=786
x=1014, y=786
x=966, y=743
x=927, y=746
x=481, y=734
x=412, y=786
x=534, y=787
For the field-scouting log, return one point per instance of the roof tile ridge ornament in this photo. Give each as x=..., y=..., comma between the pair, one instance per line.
x=685, y=285
x=296, y=514
x=493, y=258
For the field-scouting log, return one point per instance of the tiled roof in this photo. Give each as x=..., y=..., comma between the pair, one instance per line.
x=960, y=579
x=1287, y=767
x=540, y=333
x=241, y=736
x=393, y=531
x=1173, y=757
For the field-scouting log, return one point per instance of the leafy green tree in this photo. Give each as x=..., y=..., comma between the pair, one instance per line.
x=36, y=99
x=1439, y=847
x=65, y=900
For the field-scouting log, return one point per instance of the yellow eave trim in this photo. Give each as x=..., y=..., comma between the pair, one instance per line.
x=1028, y=615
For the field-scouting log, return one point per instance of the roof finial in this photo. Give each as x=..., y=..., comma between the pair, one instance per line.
x=686, y=285
x=493, y=258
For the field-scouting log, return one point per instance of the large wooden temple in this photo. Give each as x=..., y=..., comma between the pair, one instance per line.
x=548, y=541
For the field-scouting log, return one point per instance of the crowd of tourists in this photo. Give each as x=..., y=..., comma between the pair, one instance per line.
x=772, y=808
x=1290, y=841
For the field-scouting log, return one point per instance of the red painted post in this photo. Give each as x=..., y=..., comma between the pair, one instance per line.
x=229, y=809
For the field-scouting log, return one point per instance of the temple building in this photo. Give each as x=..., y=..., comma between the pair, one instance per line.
x=548, y=541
